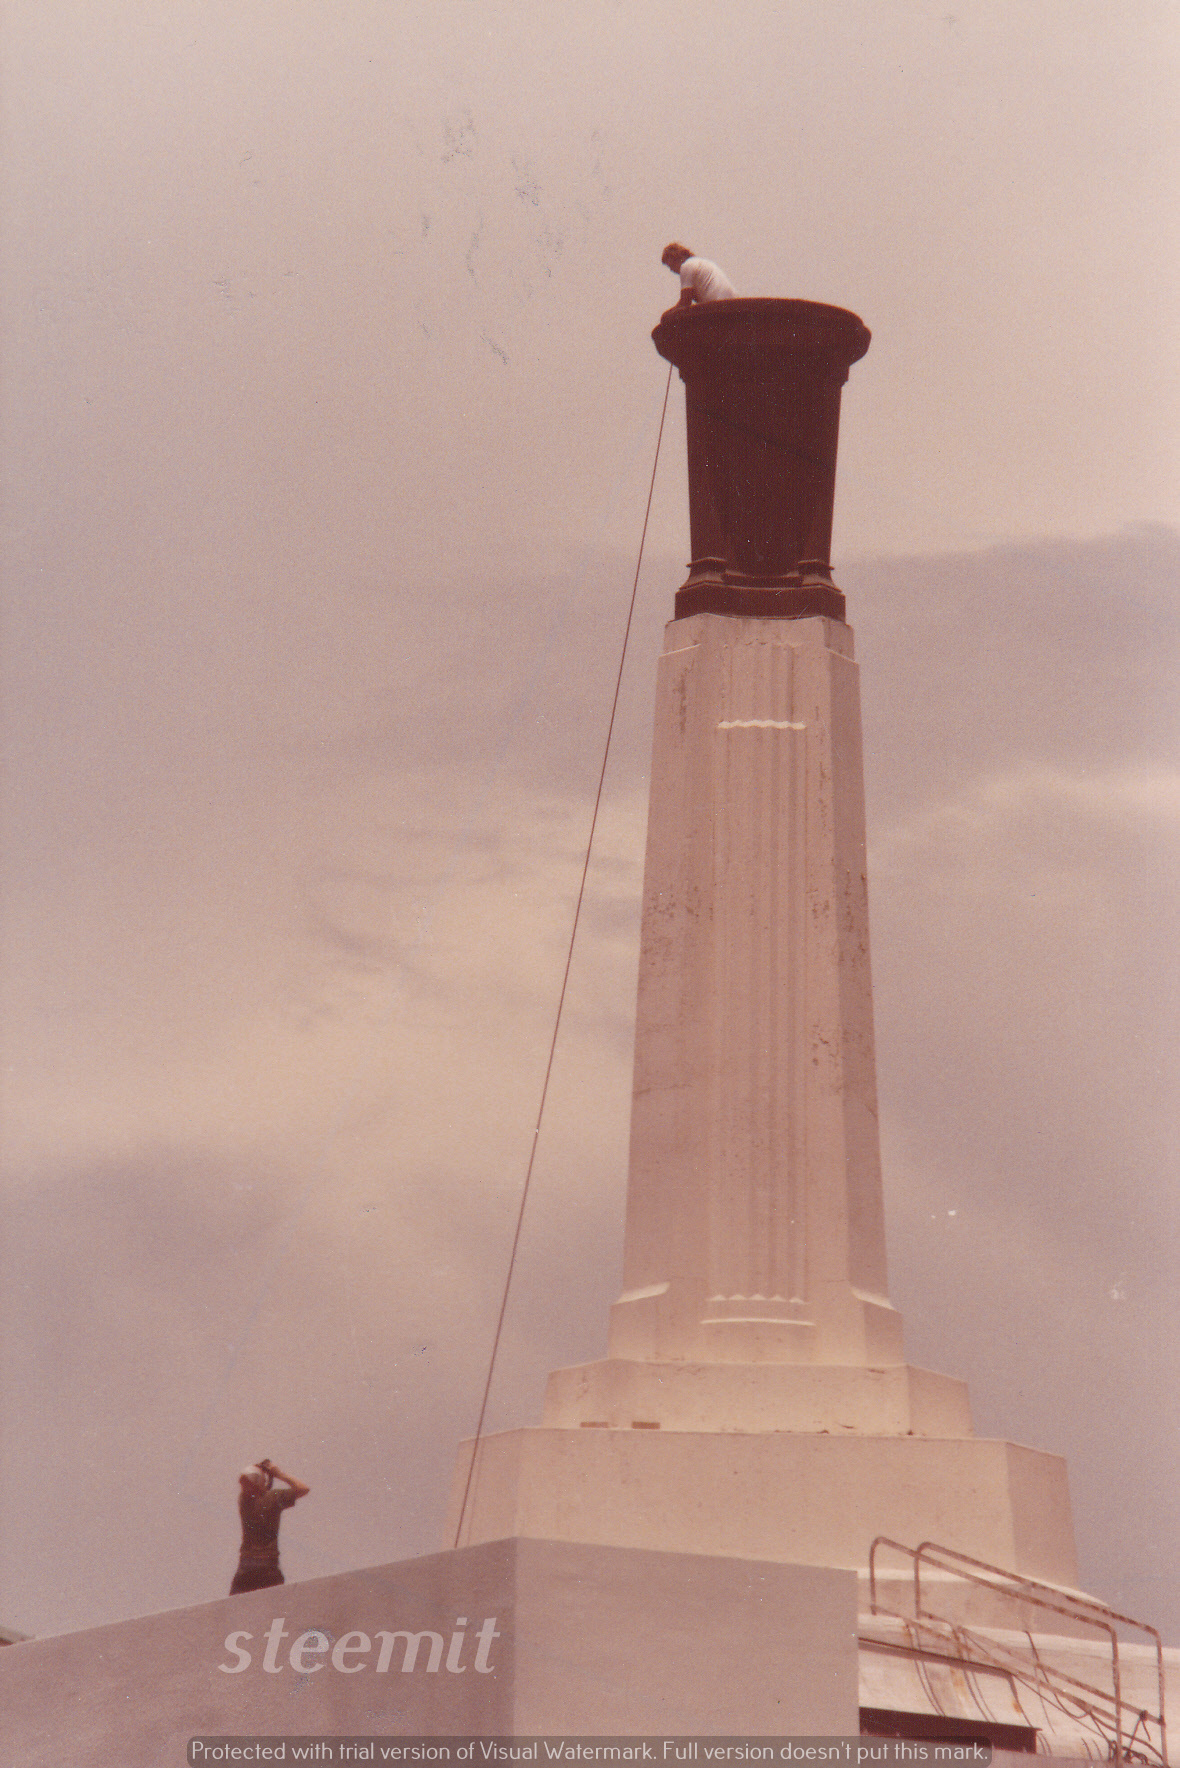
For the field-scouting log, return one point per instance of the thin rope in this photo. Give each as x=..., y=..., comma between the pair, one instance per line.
x=569, y=958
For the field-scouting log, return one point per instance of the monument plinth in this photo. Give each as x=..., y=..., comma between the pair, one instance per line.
x=762, y=396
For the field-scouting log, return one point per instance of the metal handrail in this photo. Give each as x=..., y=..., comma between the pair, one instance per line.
x=1082, y=1609
x=972, y=1651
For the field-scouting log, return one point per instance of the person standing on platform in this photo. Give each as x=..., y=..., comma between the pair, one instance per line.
x=261, y=1505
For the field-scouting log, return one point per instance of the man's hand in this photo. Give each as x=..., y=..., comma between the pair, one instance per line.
x=686, y=300
x=296, y=1485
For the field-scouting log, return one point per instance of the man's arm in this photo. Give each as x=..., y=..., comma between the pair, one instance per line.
x=687, y=297
x=296, y=1485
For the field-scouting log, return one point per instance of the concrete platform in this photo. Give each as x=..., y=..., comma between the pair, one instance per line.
x=790, y=1498
x=585, y=1640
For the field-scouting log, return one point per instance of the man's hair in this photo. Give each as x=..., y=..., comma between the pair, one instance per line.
x=681, y=251
x=255, y=1476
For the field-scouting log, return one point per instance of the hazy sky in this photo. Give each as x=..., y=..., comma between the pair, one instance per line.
x=328, y=413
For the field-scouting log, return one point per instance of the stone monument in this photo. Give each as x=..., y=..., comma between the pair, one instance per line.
x=756, y=1400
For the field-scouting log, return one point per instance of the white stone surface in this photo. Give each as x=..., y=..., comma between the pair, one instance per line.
x=634, y=1642
x=755, y=1229
x=590, y=1641
x=806, y=1499
x=897, y=1401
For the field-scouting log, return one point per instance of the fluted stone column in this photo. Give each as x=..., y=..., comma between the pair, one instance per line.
x=755, y=1227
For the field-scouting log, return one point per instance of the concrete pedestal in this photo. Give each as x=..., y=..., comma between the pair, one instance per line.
x=795, y=1498
x=897, y=1401
x=588, y=1641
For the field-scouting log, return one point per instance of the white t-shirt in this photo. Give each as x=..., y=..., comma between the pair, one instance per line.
x=706, y=281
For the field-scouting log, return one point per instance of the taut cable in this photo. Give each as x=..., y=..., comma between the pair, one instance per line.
x=564, y=984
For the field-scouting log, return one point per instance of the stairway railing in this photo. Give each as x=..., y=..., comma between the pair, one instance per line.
x=1106, y=1710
